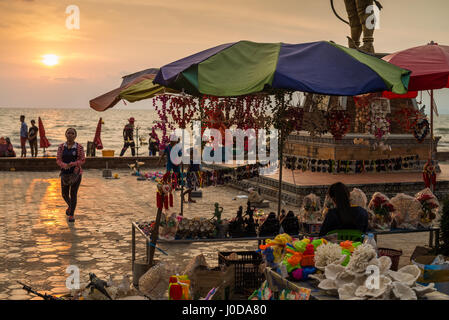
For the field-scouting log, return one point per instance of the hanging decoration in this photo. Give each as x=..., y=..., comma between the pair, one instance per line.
x=429, y=174
x=379, y=125
x=339, y=122
x=421, y=130
x=163, y=124
x=406, y=118
x=177, y=104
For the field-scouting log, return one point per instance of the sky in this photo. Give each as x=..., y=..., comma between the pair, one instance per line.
x=118, y=37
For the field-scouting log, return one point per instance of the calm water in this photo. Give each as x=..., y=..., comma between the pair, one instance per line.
x=85, y=121
x=56, y=121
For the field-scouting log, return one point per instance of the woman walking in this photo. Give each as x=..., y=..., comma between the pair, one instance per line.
x=70, y=157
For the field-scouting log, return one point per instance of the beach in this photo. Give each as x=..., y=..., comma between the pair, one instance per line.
x=37, y=244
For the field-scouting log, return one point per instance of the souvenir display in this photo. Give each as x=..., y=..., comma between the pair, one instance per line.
x=407, y=211
x=429, y=205
x=168, y=226
x=358, y=198
x=338, y=122
x=407, y=118
x=421, y=130
x=310, y=211
x=429, y=174
x=352, y=166
x=350, y=282
x=196, y=228
x=315, y=122
x=380, y=210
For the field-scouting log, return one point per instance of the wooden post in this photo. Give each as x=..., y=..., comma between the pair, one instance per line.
x=154, y=236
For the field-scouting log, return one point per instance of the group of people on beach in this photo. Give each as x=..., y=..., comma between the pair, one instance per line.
x=30, y=135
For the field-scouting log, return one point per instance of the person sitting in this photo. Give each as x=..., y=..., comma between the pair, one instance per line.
x=10, y=148
x=3, y=147
x=343, y=216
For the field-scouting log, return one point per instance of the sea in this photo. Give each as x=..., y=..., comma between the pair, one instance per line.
x=85, y=121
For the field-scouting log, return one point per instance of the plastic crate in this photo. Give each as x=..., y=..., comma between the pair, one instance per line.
x=107, y=153
x=247, y=274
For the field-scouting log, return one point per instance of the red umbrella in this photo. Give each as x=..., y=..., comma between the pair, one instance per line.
x=430, y=70
x=44, y=143
x=97, y=138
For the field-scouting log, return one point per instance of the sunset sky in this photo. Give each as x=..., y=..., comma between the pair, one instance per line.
x=118, y=37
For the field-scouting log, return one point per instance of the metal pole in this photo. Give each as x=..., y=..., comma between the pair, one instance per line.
x=431, y=125
x=182, y=162
x=154, y=236
x=281, y=156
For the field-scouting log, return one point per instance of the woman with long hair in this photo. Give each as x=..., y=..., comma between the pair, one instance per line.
x=343, y=216
x=70, y=157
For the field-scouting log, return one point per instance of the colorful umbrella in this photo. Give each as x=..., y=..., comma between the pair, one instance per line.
x=246, y=67
x=111, y=98
x=43, y=141
x=430, y=70
x=97, y=138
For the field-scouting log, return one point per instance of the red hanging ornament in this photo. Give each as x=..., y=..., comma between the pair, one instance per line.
x=339, y=123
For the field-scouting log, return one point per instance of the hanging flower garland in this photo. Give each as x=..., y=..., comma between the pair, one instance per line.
x=177, y=104
x=164, y=124
x=378, y=125
x=406, y=118
x=421, y=130
x=315, y=122
x=339, y=123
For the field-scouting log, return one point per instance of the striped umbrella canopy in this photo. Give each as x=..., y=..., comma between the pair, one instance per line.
x=245, y=67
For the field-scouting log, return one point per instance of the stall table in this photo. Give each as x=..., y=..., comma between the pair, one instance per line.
x=434, y=234
x=276, y=283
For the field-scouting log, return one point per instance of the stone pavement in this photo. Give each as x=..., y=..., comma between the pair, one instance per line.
x=37, y=244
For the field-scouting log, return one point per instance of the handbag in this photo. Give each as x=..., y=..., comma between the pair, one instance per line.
x=70, y=179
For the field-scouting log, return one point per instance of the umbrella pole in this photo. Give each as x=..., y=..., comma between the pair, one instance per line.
x=280, y=175
x=431, y=133
x=182, y=162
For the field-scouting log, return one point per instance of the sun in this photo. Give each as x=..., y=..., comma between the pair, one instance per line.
x=50, y=60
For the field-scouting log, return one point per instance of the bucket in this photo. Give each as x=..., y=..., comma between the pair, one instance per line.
x=107, y=153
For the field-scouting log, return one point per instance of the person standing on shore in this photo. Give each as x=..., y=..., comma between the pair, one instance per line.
x=23, y=136
x=32, y=138
x=70, y=158
x=128, y=137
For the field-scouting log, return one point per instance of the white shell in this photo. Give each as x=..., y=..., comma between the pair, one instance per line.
x=347, y=291
x=327, y=284
x=333, y=270
x=403, y=292
x=423, y=290
x=384, y=284
x=407, y=275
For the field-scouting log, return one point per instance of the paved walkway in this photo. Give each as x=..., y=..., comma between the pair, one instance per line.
x=37, y=244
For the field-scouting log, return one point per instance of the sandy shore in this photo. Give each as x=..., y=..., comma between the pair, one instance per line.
x=37, y=244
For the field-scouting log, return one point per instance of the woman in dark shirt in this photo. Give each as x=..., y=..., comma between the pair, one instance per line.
x=344, y=216
x=70, y=157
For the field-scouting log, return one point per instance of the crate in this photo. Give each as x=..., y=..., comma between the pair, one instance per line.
x=107, y=153
x=247, y=274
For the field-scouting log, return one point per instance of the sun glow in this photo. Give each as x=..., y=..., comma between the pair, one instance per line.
x=50, y=60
